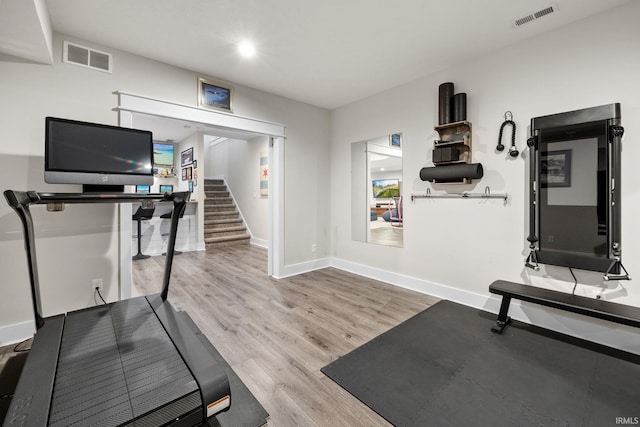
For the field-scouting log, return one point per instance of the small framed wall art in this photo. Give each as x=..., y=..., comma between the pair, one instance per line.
x=187, y=173
x=555, y=168
x=395, y=140
x=214, y=95
x=186, y=157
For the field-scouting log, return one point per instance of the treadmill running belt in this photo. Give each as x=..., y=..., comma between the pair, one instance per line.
x=117, y=364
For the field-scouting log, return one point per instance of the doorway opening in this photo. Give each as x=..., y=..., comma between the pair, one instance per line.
x=161, y=116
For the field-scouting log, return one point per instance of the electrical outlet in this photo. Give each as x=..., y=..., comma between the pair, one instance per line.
x=314, y=248
x=96, y=283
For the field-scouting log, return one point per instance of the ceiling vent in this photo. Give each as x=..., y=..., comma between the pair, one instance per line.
x=86, y=57
x=535, y=15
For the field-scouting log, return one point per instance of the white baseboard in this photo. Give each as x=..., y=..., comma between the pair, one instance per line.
x=304, y=267
x=611, y=334
x=418, y=285
x=12, y=334
x=259, y=242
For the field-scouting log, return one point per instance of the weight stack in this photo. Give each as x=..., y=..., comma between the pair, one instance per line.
x=445, y=106
x=452, y=173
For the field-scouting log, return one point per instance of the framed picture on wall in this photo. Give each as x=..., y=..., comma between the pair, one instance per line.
x=395, y=140
x=187, y=173
x=555, y=168
x=186, y=157
x=214, y=95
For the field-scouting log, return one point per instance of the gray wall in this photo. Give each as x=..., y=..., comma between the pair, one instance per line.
x=81, y=243
x=460, y=246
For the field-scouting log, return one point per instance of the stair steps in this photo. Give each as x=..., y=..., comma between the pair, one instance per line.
x=223, y=225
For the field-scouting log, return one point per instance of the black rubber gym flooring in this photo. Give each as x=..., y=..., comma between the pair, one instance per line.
x=445, y=367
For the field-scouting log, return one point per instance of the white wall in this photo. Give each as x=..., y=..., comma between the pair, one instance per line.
x=244, y=182
x=190, y=142
x=82, y=243
x=461, y=246
x=216, y=157
x=194, y=141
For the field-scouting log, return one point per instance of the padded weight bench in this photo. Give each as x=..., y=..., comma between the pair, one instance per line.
x=611, y=311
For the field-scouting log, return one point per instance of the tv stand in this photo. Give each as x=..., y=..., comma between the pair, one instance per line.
x=128, y=362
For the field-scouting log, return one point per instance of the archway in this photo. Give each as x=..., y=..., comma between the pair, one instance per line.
x=130, y=105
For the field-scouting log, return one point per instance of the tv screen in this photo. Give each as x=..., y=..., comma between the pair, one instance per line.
x=143, y=189
x=162, y=154
x=166, y=188
x=386, y=188
x=96, y=154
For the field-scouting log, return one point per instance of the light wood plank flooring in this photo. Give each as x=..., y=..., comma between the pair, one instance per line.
x=277, y=334
x=383, y=233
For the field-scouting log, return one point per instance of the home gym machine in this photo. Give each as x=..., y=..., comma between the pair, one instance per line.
x=131, y=362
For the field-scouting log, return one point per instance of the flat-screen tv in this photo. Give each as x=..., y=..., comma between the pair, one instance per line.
x=162, y=154
x=94, y=154
x=386, y=188
x=165, y=188
x=143, y=189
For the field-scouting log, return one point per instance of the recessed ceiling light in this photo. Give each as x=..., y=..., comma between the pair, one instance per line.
x=246, y=49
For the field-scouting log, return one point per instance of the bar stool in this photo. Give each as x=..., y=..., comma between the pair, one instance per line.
x=142, y=214
x=168, y=216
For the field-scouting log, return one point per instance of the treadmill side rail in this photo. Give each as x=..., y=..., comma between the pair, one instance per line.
x=211, y=378
x=32, y=399
x=21, y=200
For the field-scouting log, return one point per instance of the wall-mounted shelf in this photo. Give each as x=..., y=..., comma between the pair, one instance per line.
x=168, y=175
x=454, y=145
x=486, y=195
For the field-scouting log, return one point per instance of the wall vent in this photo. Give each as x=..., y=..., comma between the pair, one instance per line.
x=87, y=57
x=544, y=12
x=535, y=15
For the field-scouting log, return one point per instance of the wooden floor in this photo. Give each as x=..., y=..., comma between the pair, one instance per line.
x=383, y=233
x=277, y=334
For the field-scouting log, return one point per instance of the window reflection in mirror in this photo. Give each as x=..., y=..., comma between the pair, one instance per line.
x=376, y=190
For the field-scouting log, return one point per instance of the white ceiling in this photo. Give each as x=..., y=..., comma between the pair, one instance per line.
x=326, y=53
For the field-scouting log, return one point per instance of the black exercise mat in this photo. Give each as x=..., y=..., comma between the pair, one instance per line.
x=9, y=379
x=445, y=367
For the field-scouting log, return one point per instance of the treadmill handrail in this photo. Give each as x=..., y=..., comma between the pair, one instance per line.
x=21, y=200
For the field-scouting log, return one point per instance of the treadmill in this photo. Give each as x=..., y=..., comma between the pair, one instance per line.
x=135, y=362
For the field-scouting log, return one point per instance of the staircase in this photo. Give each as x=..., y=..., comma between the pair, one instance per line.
x=222, y=222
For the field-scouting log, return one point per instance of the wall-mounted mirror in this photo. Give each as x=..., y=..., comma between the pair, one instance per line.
x=575, y=190
x=377, y=214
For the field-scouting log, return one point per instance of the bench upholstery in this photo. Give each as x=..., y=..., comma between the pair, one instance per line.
x=606, y=310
